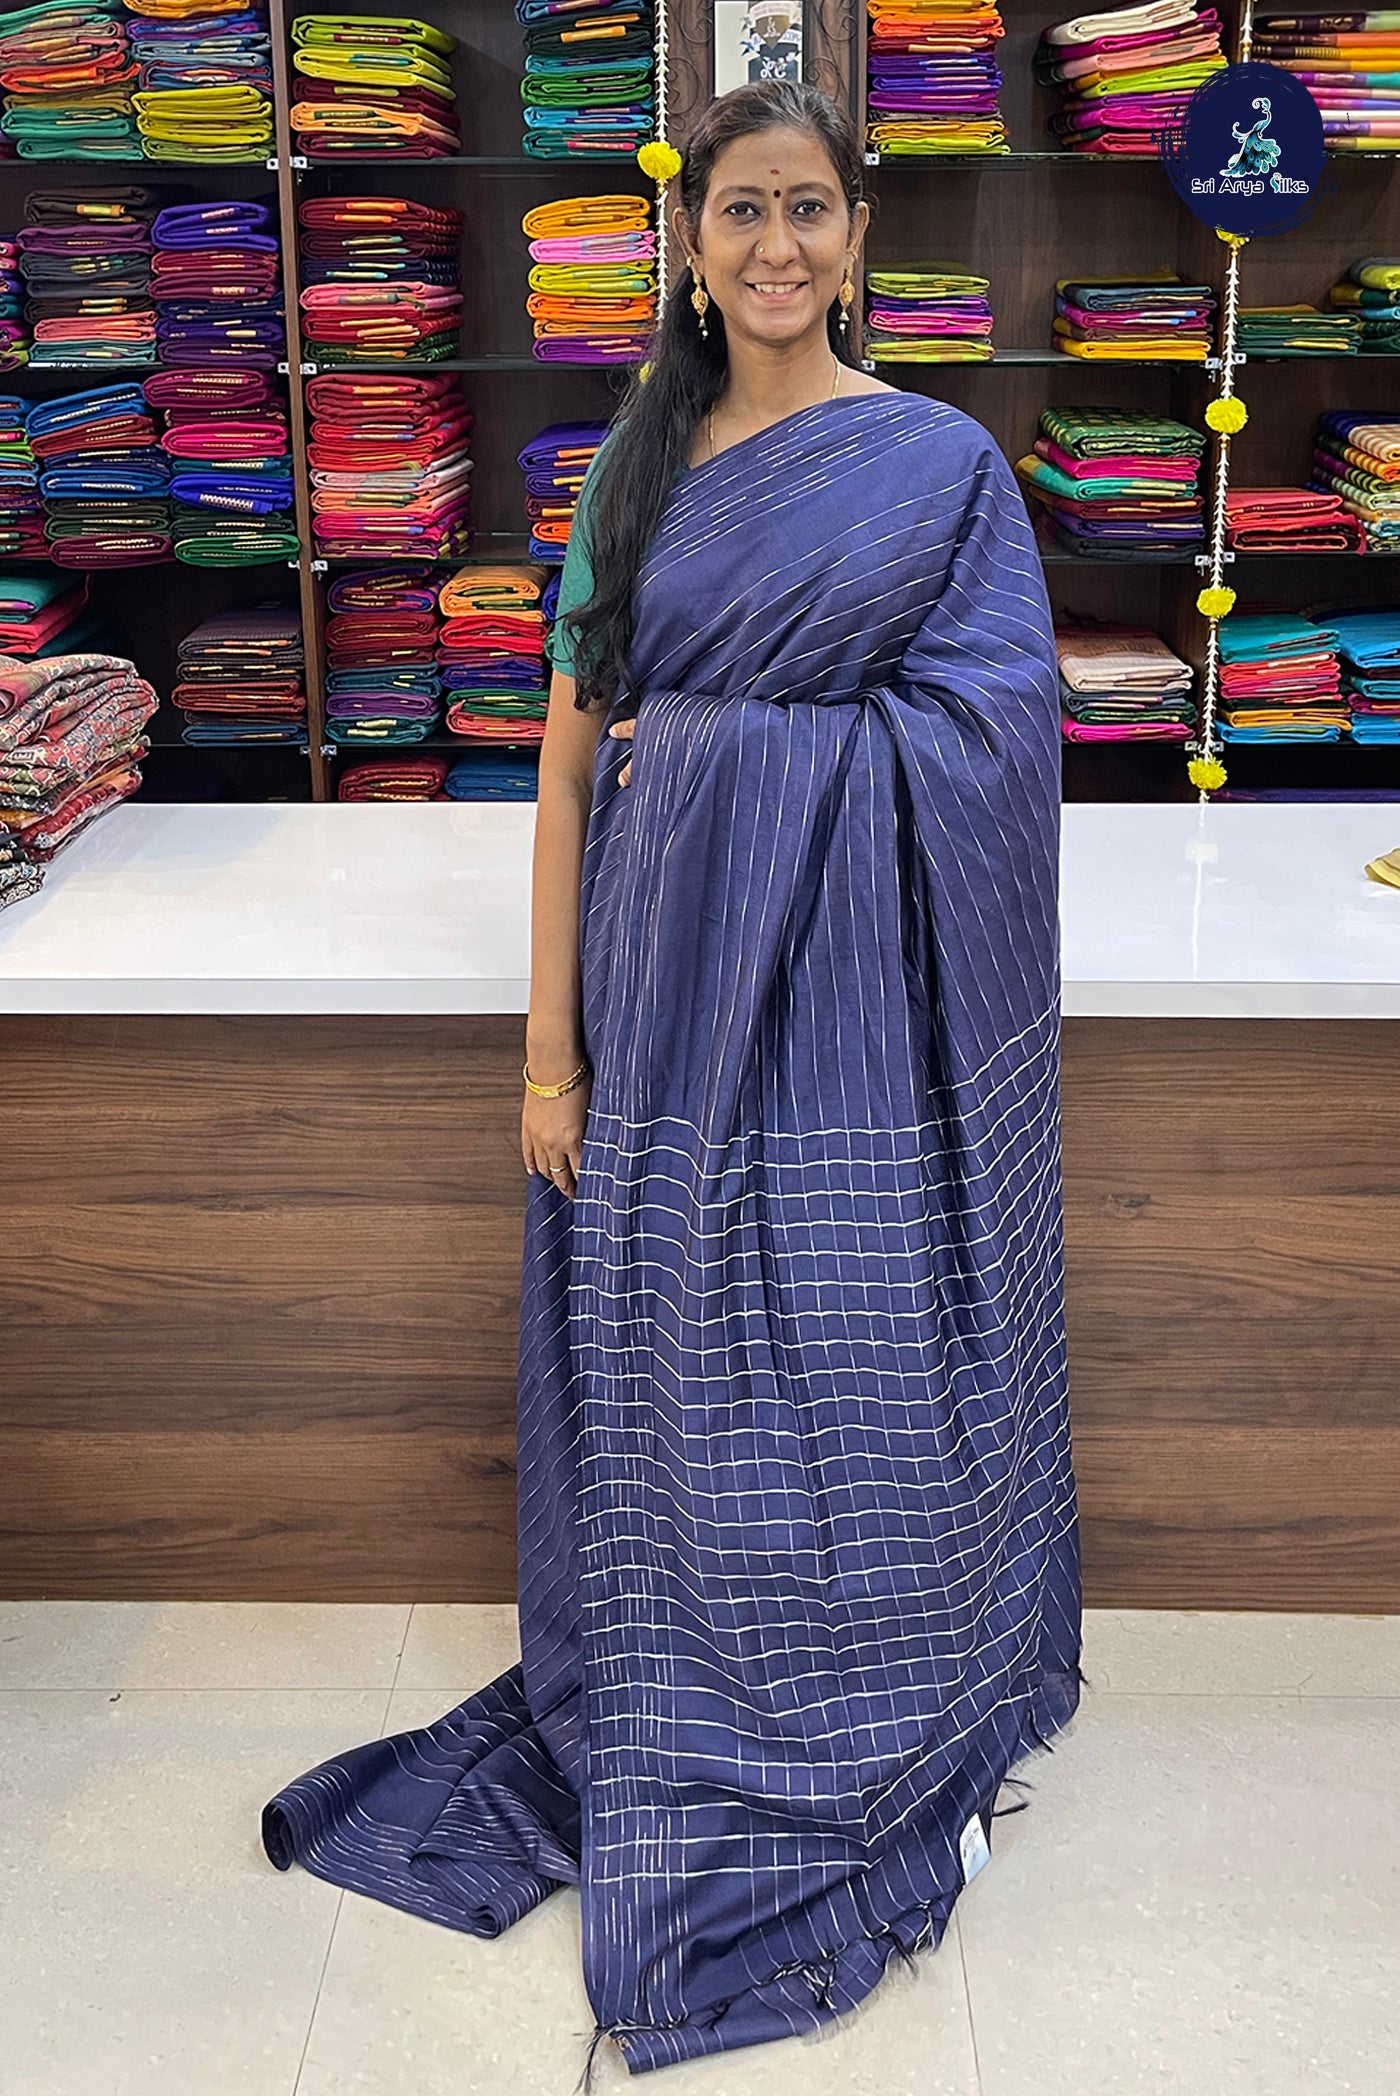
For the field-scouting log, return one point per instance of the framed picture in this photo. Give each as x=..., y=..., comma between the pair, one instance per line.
x=756, y=40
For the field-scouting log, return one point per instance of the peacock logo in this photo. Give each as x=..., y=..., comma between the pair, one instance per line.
x=1247, y=153
x=1255, y=153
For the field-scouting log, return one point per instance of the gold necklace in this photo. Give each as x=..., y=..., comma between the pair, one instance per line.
x=835, y=382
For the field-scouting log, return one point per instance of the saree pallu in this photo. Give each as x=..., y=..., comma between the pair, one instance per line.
x=798, y=1548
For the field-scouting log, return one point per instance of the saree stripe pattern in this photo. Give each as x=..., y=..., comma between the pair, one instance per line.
x=798, y=1545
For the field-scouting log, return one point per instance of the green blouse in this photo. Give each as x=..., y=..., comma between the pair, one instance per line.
x=576, y=582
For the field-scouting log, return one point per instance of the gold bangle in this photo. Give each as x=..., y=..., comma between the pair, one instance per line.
x=555, y=1091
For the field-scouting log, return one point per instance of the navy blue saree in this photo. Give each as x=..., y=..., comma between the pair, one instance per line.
x=799, y=1576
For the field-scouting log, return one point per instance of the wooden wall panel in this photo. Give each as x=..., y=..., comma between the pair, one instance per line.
x=259, y=1306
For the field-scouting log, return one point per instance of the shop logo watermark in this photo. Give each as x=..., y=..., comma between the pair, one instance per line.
x=1248, y=153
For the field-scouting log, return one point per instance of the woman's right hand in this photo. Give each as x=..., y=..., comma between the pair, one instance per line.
x=551, y=1134
x=623, y=731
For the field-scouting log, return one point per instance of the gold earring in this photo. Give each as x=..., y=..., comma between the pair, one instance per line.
x=700, y=299
x=847, y=295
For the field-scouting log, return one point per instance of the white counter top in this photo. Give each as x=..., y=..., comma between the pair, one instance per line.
x=1251, y=911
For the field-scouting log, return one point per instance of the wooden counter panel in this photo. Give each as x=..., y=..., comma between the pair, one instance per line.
x=261, y=1293
x=1232, y=1191
x=259, y=1286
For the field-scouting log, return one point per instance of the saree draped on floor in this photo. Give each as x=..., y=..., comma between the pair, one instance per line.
x=799, y=1574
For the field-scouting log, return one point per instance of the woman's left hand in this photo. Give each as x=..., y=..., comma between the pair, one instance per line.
x=622, y=729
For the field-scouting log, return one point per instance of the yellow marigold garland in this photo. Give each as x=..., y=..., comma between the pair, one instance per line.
x=659, y=160
x=1227, y=414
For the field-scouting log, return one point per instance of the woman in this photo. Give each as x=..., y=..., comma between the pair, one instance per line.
x=799, y=1574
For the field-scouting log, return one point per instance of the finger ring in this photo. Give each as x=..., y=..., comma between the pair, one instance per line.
x=556, y=1169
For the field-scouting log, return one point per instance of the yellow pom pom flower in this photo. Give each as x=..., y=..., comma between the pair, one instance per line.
x=1228, y=414
x=660, y=161
x=1215, y=603
x=1208, y=773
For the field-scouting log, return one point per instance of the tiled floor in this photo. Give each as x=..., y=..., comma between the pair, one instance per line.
x=1204, y=1896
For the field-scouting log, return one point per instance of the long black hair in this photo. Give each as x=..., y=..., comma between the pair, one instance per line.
x=657, y=419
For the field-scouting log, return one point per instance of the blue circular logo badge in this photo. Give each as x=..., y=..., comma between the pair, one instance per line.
x=1247, y=154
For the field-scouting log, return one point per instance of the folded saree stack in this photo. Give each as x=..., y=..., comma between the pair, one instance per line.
x=1128, y=72
x=390, y=466
x=19, y=876
x=43, y=614
x=593, y=284
x=382, y=672
x=588, y=85
x=1370, y=294
x=380, y=279
x=69, y=78
x=241, y=677
x=494, y=775
x=1121, y=683
x=216, y=283
x=104, y=480
x=71, y=742
x=491, y=652
x=14, y=335
x=934, y=80
x=206, y=80
x=927, y=316
x=554, y=464
x=218, y=44
x=47, y=613
x=1117, y=483
x=1103, y=319
x=373, y=84
x=1280, y=680
x=1298, y=331
x=1368, y=644
x=1350, y=64
x=85, y=258
x=21, y=509
x=1290, y=520
x=1356, y=454
x=229, y=447
x=394, y=779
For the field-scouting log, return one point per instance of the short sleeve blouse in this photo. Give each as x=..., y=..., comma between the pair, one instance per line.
x=576, y=581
